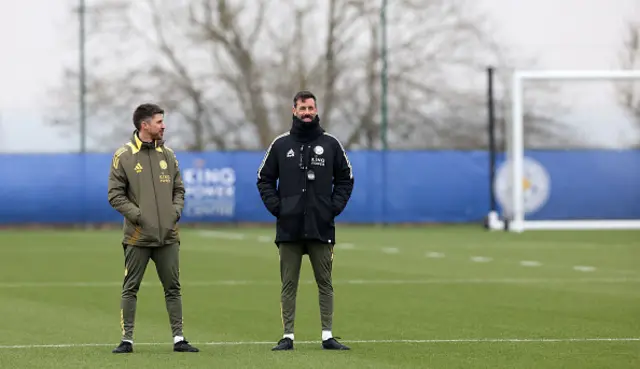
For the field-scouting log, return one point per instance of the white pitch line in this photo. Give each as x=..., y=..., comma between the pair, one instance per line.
x=480, y=259
x=236, y=343
x=224, y=235
x=435, y=255
x=346, y=246
x=265, y=239
x=336, y=282
x=390, y=250
x=582, y=268
x=530, y=263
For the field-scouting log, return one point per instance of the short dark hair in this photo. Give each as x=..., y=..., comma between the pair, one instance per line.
x=144, y=112
x=303, y=95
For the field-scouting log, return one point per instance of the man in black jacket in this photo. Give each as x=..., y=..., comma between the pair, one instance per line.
x=315, y=184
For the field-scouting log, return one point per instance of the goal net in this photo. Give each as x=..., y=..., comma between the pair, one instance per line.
x=572, y=186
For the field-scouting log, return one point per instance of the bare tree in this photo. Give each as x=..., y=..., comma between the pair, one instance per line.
x=226, y=70
x=438, y=52
x=226, y=81
x=629, y=91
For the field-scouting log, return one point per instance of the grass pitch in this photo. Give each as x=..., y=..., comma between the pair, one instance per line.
x=433, y=297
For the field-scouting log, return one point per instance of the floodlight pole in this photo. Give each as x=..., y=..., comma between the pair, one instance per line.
x=384, y=111
x=384, y=77
x=82, y=76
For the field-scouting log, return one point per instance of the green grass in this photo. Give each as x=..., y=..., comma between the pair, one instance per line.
x=63, y=287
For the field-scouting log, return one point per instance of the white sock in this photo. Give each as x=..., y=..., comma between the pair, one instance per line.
x=177, y=339
x=288, y=335
x=130, y=341
x=326, y=335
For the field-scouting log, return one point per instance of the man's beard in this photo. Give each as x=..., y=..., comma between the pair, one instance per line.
x=306, y=116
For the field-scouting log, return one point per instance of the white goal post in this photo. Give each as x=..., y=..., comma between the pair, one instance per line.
x=515, y=221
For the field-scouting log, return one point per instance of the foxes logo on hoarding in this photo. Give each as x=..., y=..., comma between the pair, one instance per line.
x=536, y=186
x=209, y=191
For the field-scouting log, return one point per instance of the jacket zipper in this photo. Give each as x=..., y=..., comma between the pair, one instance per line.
x=155, y=196
x=304, y=189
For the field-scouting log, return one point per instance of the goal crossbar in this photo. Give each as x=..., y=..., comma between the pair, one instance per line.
x=560, y=74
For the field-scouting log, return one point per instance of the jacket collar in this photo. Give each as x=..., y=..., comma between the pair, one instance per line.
x=137, y=144
x=306, y=131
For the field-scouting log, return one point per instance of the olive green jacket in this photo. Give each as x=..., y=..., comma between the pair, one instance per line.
x=145, y=186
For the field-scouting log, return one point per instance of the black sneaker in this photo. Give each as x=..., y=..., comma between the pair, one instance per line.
x=123, y=348
x=332, y=344
x=284, y=344
x=184, y=346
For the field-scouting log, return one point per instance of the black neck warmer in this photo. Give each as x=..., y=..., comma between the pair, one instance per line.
x=306, y=131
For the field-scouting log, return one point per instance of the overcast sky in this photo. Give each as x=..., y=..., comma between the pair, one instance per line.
x=36, y=37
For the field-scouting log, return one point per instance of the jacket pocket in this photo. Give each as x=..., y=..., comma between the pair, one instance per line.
x=291, y=216
x=149, y=229
x=324, y=219
x=135, y=219
x=290, y=206
x=325, y=209
x=171, y=235
x=274, y=209
x=171, y=230
x=132, y=232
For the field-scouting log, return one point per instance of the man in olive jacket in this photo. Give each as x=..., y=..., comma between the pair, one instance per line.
x=145, y=186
